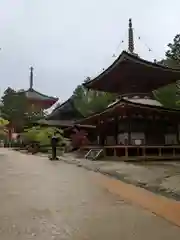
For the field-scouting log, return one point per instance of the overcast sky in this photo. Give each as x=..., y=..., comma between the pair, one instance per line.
x=67, y=40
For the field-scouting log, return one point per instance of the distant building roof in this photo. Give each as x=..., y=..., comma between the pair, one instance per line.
x=34, y=95
x=65, y=111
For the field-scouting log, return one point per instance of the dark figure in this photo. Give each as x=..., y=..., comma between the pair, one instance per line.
x=54, y=143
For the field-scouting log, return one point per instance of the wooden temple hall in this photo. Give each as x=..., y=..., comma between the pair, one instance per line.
x=135, y=124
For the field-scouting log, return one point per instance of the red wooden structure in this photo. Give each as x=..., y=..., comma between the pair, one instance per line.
x=37, y=100
x=136, y=124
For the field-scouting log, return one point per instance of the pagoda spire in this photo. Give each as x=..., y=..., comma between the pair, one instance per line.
x=31, y=78
x=130, y=37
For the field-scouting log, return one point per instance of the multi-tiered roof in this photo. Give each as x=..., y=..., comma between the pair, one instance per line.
x=133, y=79
x=36, y=97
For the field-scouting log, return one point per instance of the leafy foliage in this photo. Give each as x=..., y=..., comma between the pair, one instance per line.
x=173, y=54
x=16, y=110
x=3, y=122
x=14, y=106
x=89, y=101
x=41, y=135
x=169, y=95
x=3, y=132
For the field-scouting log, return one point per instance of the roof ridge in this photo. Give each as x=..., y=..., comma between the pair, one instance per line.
x=131, y=57
x=132, y=104
x=42, y=94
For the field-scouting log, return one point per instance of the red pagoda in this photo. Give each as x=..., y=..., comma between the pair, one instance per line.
x=136, y=125
x=38, y=101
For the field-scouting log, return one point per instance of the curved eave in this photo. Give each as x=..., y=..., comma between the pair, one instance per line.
x=64, y=111
x=122, y=104
x=61, y=106
x=130, y=73
x=35, y=95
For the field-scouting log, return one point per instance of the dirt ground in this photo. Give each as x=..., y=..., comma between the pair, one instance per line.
x=158, y=177
x=42, y=199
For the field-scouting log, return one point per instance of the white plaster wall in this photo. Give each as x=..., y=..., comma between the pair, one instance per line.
x=122, y=138
x=137, y=138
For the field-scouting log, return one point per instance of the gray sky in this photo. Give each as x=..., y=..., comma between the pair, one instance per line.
x=68, y=40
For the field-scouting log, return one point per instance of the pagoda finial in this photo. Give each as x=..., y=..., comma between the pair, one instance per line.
x=130, y=36
x=31, y=78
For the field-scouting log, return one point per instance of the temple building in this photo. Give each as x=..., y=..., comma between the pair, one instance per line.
x=64, y=115
x=136, y=125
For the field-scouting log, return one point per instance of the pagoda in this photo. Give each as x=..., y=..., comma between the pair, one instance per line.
x=36, y=100
x=136, y=125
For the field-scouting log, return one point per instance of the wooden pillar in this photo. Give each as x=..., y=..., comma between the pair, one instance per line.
x=177, y=133
x=163, y=130
x=137, y=151
x=145, y=129
x=98, y=139
x=116, y=130
x=101, y=127
x=98, y=133
x=126, y=151
x=174, y=152
x=144, y=151
x=115, y=152
x=129, y=130
x=160, y=151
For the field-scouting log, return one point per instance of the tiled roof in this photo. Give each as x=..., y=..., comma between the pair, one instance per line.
x=131, y=74
x=65, y=111
x=145, y=101
x=32, y=94
x=140, y=100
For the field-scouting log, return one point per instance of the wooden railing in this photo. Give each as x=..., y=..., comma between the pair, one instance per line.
x=128, y=152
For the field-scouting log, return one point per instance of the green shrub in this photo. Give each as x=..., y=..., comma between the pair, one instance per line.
x=42, y=135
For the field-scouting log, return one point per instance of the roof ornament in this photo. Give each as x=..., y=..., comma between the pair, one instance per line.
x=31, y=78
x=130, y=38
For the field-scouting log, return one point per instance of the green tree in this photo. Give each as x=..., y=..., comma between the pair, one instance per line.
x=173, y=53
x=14, y=106
x=42, y=135
x=89, y=101
x=3, y=122
x=169, y=95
